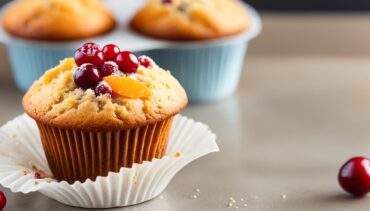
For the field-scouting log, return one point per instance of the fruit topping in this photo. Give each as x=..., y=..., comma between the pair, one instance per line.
x=86, y=76
x=127, y=62
x=64, y=65
x=166, y=1
x=89, y=53
x=110, y=52
x=106, y=71
x=146, y=61
x=108, y=68
x=103, y=88
x=127, y=87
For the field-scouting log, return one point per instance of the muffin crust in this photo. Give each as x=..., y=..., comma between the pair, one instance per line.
x=58, y=101
x=191, y=19
x=57, y=19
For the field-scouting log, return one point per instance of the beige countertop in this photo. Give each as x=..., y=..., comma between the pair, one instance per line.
x=302, y=109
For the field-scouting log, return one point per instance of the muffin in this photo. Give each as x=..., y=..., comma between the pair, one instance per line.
x=57, y=19
x=191, y=19
x=103, y=110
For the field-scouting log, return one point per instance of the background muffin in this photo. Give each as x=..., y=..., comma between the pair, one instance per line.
x=57, y=19
x=191, y=19
x=96, y=118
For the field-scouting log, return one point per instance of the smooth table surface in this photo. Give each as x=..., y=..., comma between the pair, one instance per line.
x=298, y=115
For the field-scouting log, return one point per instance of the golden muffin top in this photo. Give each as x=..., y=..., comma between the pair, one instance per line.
x=119, y=101
x=191, y=19
x=57, y=19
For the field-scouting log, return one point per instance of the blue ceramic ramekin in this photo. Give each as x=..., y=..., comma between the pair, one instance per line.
x=208, y=73
x=208, y=70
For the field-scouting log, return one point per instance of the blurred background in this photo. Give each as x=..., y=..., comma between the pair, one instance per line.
x=303, y=5
x=311, y=5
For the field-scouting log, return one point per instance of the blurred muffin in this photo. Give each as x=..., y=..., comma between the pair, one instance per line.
x=57, y=19
x=96, y=116
x=191, y=19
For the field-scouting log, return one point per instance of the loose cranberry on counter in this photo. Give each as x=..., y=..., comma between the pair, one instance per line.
x=127, y=62
x=146, y=61
x=354, y=176
x=103, y=88
x=110, y=52
x=108, y=68
x=86, y=76
x=2, y=200
x=89, y=53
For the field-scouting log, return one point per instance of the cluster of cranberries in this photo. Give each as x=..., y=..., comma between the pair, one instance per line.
x=95, y=63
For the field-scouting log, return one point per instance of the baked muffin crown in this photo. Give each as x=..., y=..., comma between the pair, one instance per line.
x=56, y=100
x=57, y=19
x=191, y=19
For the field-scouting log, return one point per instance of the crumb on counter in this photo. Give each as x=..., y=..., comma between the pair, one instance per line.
x=232, y=200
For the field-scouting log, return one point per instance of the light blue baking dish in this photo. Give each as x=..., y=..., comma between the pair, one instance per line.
x=208, y=73
x=208, y=70
x=30, y=62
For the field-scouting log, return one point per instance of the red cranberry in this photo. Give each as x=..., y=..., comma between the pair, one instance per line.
x=2, y=200
x=86, y=76
x=91, y=45
x=166, y=1
x=354, y=176
x=89, y=53
x=108, y=68
x=110, y=52
x=127, y=62
x=38, y=176
x=103, y=88
x=146, y=61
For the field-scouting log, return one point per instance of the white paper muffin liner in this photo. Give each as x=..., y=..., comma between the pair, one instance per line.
x=22, y=155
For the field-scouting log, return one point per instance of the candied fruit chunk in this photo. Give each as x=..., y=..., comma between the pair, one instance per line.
x=127, y=87
x=65, y=65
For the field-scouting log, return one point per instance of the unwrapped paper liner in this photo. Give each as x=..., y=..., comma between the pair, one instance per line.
x=22, y=155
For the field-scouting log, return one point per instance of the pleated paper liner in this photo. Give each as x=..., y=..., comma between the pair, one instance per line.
x=22, y=155
x=79, y=155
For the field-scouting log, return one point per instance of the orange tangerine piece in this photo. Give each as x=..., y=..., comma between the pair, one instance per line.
x=65, y=65
x=127, y=87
